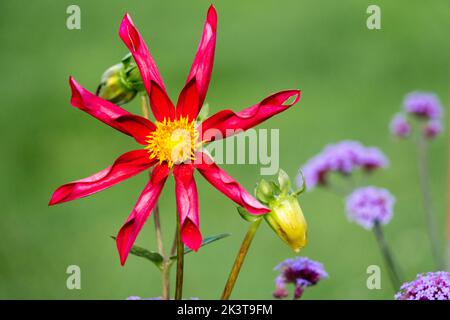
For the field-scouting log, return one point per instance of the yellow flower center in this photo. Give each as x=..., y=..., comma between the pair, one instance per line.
x=173, y=141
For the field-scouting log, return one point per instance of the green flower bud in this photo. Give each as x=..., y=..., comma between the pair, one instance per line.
x=287, y=220
x=265, y=191
x=121, y=82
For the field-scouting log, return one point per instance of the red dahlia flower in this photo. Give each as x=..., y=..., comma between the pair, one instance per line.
x=164, y=149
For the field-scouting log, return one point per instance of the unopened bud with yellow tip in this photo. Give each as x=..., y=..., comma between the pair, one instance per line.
x=286, y=217
x=287, y=220
x=121, y=82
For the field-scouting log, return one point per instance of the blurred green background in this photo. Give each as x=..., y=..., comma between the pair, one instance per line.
x=353, y=80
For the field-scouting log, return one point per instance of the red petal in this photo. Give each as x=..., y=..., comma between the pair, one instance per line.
x=227, y=122
x=187, y=205
x=145, y=204
x=159, y=100
x=147, y=67
x=126, y=166
x=188, y=103
x=204, y=59
x=109, y=113
x=223, y=182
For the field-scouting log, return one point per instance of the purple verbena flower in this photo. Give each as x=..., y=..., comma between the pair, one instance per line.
x=400, y=126
x=432, y=129
x=139, y=298
x=300, y=271
x=423, y=105
x=428, y=286
x=367, y=205
x=342, y=157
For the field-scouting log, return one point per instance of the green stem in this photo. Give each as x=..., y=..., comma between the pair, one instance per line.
x=240, y=259
x=426, y=196
x=394, y=274
x=180, y=264
x=159, y=238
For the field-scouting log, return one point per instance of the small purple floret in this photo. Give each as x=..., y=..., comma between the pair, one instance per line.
x=367, y=205
x=300, y=271
x=400, y=126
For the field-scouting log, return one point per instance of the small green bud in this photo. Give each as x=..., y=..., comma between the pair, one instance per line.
x=264, y=191
x=120, y=83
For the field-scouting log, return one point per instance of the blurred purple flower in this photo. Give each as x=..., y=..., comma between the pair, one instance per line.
x=429, y=286
x=300, y=271
x=423, y=105
x=155, y=298
x=342, y=157
x=369, y=204
x=400, y=126
x=139, y=298
x=432, y=129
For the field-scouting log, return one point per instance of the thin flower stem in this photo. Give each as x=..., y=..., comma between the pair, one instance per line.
x=422, y=160
x=159, y=238
x=180, y=264
x=144, y=106
x=240, y=259
x=394, y=273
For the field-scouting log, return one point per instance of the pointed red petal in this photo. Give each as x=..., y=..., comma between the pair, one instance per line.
x=188, y=104
x=147, y=67
x=187, y=205
x=145, y=204
x=203, y=62
x=109, y=113
x=223, y=182
x=227, y=122
x=126, y=166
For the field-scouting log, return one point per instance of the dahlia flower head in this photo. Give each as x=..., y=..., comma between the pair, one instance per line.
x=300, y=271
x=427, y=286
x=343, y=157
x=368, y=205
x=173, y=143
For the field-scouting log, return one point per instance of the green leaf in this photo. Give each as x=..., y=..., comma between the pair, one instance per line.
x=152, y=256
x=205, y=242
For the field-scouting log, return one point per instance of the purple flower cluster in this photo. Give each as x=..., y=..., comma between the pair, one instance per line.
x=300, y=271
x=432, y=129
x=423, y=106
x=342, y=157
x=400, y=126
x=429, y=286
x=139, y=298
x=367, y=205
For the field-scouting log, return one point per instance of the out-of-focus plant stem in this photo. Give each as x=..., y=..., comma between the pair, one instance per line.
x=159, y=239
x=393, y=270
x=422, y=160
x=240, y=259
